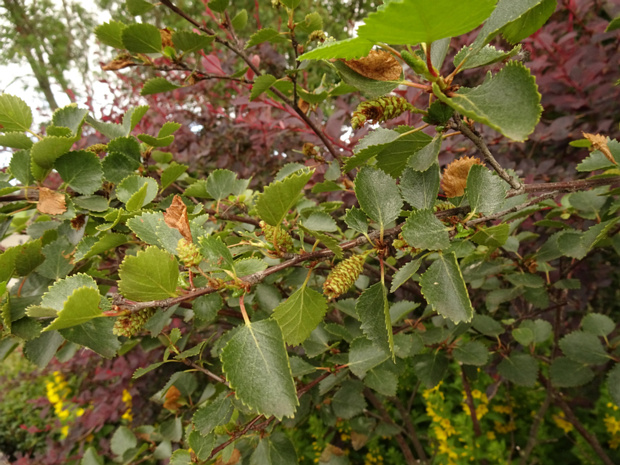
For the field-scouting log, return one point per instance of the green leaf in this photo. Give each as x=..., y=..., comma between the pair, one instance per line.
x=520, y=369
x=56, y=264
x=484, y=57
x=190, y=42
x=221, y=183
x=523, y=336
x=369, y=87
x=122, y=440
x=81, y=170
x=240, y=20
x=530, y=22
x=349, y=400
x=261, y=84
x=328, y=241
x=595, y=161
x=369, y=146
x=15, y=114
x=424, y=231
x=91, y=457
x=508, y=102
x=348, y=49
x=181, y=457
x=171, y=174
x=584, y=348
x=100, y=245
x=598, y=324
x=15, y=140
x=41, y=350
x=136, y=191
x=157, y=85
x=216, y=253
x=81, y=306
x=300, y=314
x=541, y=329
x=376, y=325
x=486, y=192
x=266, y=34
x=45, y=152
x=70, y=117
x=168, y=128
x=214, y=414
x=28, y=258
x=487, y=325
x=472, y=353
x=152, y=274
x=420, y=189
x=365, y=355
x=218, y=5
x=95, y=203
x=276, y=449
x=444, y=289
x=414, y=150
x=111, y=34
x=565, y=372
x=257, y=368
x=118, y=166
x=613, y=383
x=320, y=221
x=430, y=368
x=138, y=7
x=201, y=445
x=248, y=266
x=613, y=25
x=280, y=196
x=356, y=219
x=414, y=21
x=96, y=335
x=404, y=274
x=141, y=38
x=292, y=4
x=20, y=166
x=494, y=236
x=378, y=195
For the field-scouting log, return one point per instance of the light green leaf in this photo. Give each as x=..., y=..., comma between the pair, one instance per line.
x=348, y=49
x=15, y=114
x=102, y=244
x=370, y=146
x=95, y=334
x=56, y=264
x=190, y=42
x=171, y=174
x=598, y=324
x=138, y=7
x=80, y=307
x=356, y=219
x=15, y=140
x=81, y=170
x=91, y=457
x=136, y=191
x=45, y=152
x=257, y=368
x=508, y=102
x=520, y=369
x=613, y=25
x=404, y=273
x=20, y=166
x=300, y=314
x=152, y=274
x=494, y=236
x=378, y=195
x=376, y=324
x=280, y=196
x=240, y=20
x=595, y=161
x=320, y=221
x=444, y=289
x=216, y=253
x=181, y=457
x=424, y=231
x=157, y=85
x=486, y=192
x=369, y=87
x=201, y=445
x=530, y=22
x=122, y=440
x=118, y=166
x=111, y=34
x=541, y=329
x=221, y=183
x=364, y=355
x=584, y=348
x=248, y=266
x=565, y=372
x=420, y=189
x=141, y=38
x=523, y=336
x=426, y=156
x=414, y=21
x=261, y=84
x=218, y=5
x=486, y=56
x=70, y=117
x=472, y=353
x=168, y=128
x=276, y=449
x=266, y=34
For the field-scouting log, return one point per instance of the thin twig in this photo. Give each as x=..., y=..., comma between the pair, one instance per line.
x=514, y=209
x=533, y=437
x=470, y=404
x=413, y=436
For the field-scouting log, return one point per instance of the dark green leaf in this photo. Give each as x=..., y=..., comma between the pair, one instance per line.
x=141, y=38
x=598, y=324
x=266, y=34
x=214, y=414
x=520, y=369
x=376, y=324
x=70, y=117
x=378, y=195
x=486, y=192
x=216, y=253
x=280, y=196
x=486, y=56
x=404, y=273
x=138, y=7
x=155, y=86
x=426, y=157
x=471, y=353
x=81, y=170
x=221, y=183
x=136, y=191
x=171, y=174
x=565, y=372
x=357, y=220
x=276, y=449
x=430, y=368
x=420, y=189
x=349, y=400
x=45, y=152
x=424, y=231
x=494, y=236
x=369, y=146
x=613, y=383
x=300, y=314
x=218, y=5
x=96, y=335
x=530, y=22
x=41, y=350
x=364, y=355
x=584, y=348
x=15, y=140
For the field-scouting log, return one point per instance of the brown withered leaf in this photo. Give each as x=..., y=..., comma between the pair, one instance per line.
x=378, y=65
x=358, y=440
x=234, y=459
x=118, y=63
x=176, y=217
x=172, y=399
x=303, y=105
x=51, y=202
x=454, y=178
x=599, y=142
x=166, y=38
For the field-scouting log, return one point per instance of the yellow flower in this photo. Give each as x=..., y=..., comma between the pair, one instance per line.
x=615, y=441
x=507, y=409
x=79, y=412
x=490, y=435
x=63, y=415
x=64, y=431
x=561, y=423
x=126, y=397
x=611, y=424
x=127, y=416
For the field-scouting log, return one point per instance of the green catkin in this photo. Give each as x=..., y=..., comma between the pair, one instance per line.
x=130, y=323
x=278, y=237
x=188, y=253
x=417, y=64
x=343, y=276
x=379, y=110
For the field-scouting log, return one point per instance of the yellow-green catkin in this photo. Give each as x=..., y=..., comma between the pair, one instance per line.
x=188, y=253
x=278, y=237
x=379, y=110
x=343, y=276
x=130, y=323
